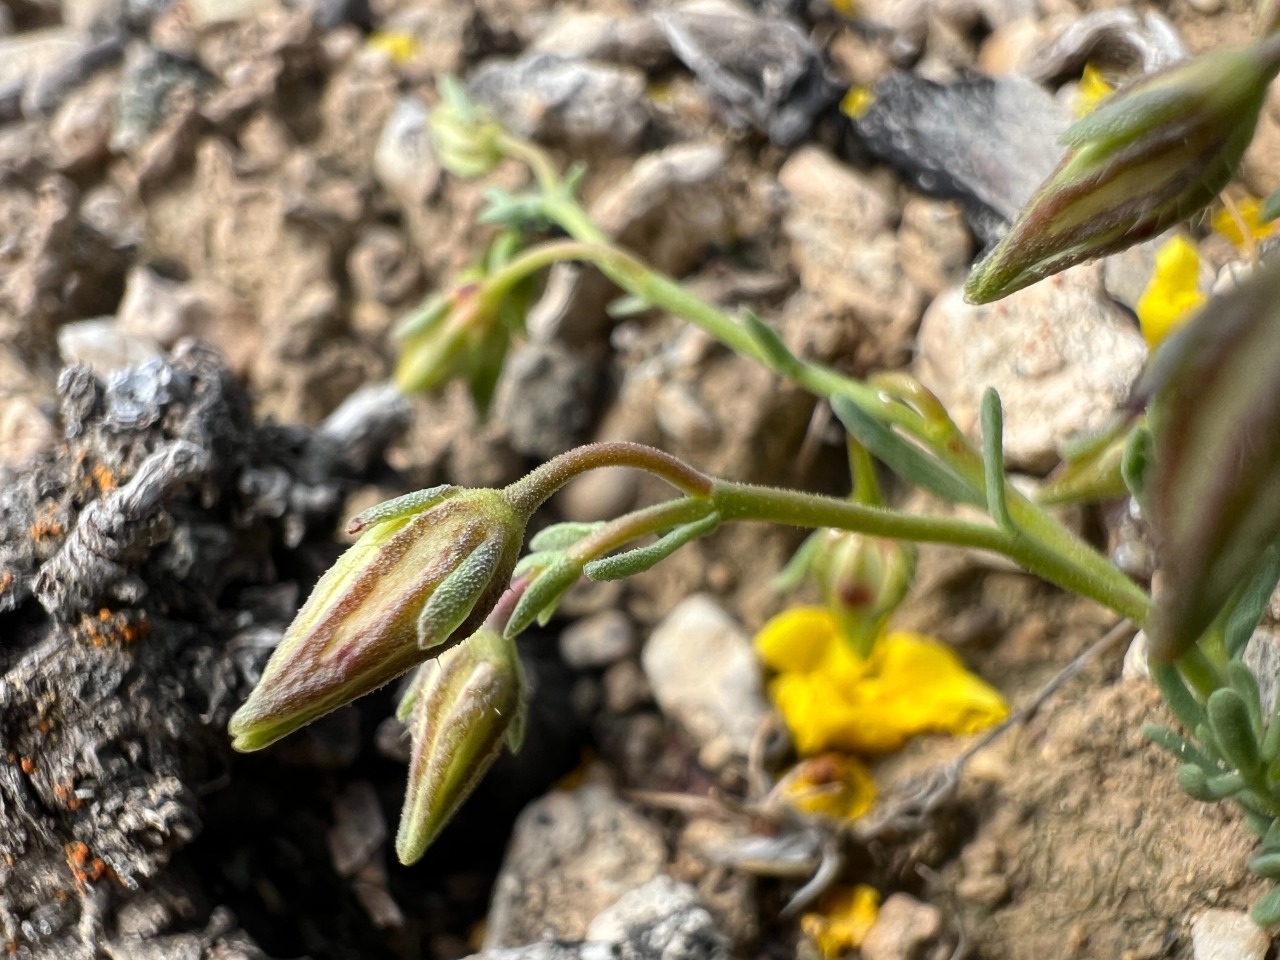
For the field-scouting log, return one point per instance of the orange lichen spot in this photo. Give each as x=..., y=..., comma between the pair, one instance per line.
x=6, y=580
x=48, y=522
x=65, y=795
x=77, y=854
x=28, y=765
x=85, y=867
x=121, y=628
x=104, y=478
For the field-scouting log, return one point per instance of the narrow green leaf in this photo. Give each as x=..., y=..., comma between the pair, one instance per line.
x=1222, y=786
x=1179, y=699
x=1245, y=684
x=1271, y=839
x=1233, y=729
x=1248, y=610
x=542, y=595
x=630, y=562
x=1134, y=463
x=1266, y=912
x=779, y=358
x=1266, y=864
x=1195, y=783
x=562, y=536
x=903, y=457
x=993, y=458
x=1181, y=748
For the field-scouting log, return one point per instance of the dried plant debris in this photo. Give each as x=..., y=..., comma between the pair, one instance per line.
x=988, y=142
x=141, y=563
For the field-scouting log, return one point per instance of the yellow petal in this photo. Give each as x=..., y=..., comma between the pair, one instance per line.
x=842, y=920
x=1093, y=90
x=856, y=102
x=1173, y=292
x=1250, y=211
x=796, y=639
x=925, y=687
x=831, y=785
x=909, y=685
x=399, y=45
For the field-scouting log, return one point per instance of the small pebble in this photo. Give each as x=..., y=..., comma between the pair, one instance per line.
x=1061, y=354
x=1227, y=935
x=585, y=106
x=705, y=675
x=905, y=929
x=598, y=640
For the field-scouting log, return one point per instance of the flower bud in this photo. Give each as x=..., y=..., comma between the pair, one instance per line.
x=425, y=572
x=863, y=580
x=460, y=710
x=466, y=139
x=1213, y=500
x=1151, y=155
x=466, y=332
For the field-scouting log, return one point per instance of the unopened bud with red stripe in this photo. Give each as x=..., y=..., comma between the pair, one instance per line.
x=425, y=573
x=461, y=709
x=1153, y=154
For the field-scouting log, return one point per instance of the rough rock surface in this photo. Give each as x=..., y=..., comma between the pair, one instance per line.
x=572, y=855
x=132, y=626
x=1062, y=356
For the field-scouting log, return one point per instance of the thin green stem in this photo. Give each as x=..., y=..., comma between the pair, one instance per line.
x=897, y=400
x=639, y=523
x=1106, y=585
x=533, y=490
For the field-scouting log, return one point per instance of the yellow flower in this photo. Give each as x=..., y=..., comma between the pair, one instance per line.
x=399, y=45
x=1250, y=211
x=832, y=786
x=832, y=700
x=842, y=920
x=1173, y=292
x=856, y=102
x=1093, y=90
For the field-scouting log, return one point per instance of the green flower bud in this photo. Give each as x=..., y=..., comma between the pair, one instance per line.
x=466, y=139
x=466, y=332
x=1153, y=154
x=863, y=580
x=425, y=572
x=1212, y=498
x=461, y=709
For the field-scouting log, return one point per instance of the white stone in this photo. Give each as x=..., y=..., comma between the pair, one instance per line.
x=1062, y=356
x=1227, y=935
x=842, y=243
x=705, y=676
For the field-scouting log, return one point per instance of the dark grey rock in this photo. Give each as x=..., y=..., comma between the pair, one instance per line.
x=585, y=106
x=764, y=69
x=988, y=142
x=545, y=399
x=152, y=83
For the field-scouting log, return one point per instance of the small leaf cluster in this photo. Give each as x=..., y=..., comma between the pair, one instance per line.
x=1233, y=748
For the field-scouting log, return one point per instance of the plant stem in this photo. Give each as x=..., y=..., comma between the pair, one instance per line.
x=638, y=523
x=1070, y=570
x=531, y=491
x=1042, y=543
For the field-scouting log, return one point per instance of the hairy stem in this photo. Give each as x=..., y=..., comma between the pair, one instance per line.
x=533, y=490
